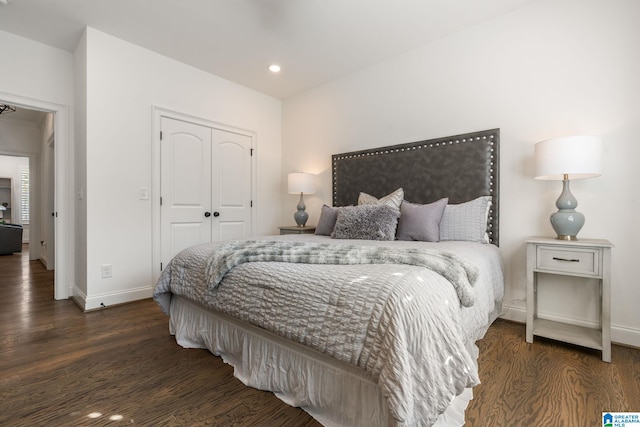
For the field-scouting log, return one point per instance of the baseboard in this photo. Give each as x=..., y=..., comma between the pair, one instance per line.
x=625, y=336
x=513, y=313
x=100, y=301
x=619, y=334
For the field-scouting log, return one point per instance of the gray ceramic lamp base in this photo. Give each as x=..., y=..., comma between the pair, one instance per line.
x=567, y=222
x=301, y=216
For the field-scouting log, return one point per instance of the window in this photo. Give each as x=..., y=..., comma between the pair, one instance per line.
x=24, y=195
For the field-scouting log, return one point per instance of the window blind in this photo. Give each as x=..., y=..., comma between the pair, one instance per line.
x=24, y=195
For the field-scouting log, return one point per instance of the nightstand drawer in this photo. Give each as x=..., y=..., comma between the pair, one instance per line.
x=569, y=260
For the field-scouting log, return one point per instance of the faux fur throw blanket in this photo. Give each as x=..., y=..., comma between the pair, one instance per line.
x=230, y=254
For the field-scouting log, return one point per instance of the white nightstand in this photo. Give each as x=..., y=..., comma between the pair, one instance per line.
x=586, y=258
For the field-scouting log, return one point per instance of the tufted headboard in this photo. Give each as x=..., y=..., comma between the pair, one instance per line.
x=460, y=167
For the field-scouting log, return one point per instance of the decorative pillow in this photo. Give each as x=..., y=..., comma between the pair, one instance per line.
x=466, y=221
x=420, y=222
x=366, y=222
x=393, y=199
x=327, y=221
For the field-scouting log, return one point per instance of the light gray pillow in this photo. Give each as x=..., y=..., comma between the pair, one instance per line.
x=393, y=199
x=366, y=222
x=420, y=222
x=466, y=221
x=327, y=221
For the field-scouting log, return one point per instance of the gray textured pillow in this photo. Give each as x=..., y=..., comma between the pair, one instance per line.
x=366, y=222
x=466, y=221
x=327, y=221
x=393, y=199
x=420, y=222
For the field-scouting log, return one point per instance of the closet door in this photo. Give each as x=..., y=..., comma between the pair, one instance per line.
x=205, y=186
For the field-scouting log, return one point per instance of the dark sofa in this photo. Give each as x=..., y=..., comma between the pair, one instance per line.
x=10, y=239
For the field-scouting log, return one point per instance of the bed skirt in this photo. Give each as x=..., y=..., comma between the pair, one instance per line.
x=333, y=392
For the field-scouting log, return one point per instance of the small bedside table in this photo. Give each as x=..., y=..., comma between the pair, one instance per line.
x=294, y=229
x=586, y=258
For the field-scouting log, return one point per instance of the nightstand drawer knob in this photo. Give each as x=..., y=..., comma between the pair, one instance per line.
x=565, y=259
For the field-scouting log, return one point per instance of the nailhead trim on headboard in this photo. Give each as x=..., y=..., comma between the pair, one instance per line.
x=460, y=167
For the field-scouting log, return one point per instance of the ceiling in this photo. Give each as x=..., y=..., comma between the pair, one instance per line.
x=314, y=41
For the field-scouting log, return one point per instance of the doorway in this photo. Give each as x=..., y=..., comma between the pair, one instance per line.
x=26, y=172
x=62, y=214
x=204, y=180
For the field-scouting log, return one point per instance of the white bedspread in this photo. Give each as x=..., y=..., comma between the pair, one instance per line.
x=403, y=324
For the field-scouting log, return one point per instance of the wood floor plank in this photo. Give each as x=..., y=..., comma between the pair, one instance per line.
x=59, y=366
x=548, y=382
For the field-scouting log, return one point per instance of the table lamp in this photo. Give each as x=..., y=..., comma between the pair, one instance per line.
x=572, y=157
x=299, y=182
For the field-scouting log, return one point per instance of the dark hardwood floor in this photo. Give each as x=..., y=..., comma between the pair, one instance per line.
x=62, y=367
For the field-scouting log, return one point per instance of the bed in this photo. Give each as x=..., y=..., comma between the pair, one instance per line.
x=351, y=324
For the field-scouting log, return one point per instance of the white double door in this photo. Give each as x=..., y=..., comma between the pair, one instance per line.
x=205, y=186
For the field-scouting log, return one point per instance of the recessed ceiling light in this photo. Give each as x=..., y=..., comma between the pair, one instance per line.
x=274, y=68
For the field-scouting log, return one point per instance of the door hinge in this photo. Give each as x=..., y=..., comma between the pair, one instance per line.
x=160, y=135
x=251, y=204
x=160, y=266
x=160, y=201
x=251, y=152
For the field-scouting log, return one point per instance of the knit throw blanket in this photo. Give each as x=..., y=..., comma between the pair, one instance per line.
x=230, y=254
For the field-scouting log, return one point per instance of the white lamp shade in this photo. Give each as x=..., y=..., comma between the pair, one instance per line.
x=577, y=157
x=299, y=182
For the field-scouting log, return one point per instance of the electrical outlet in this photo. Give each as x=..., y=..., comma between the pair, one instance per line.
x=107, y=271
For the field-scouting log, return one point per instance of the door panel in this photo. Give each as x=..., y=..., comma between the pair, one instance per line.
x=232, y=230
x=231, y=177
x=185, y=186
x=231, y=188
x=184, y=235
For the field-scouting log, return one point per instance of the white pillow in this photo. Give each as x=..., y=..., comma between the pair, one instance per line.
x=393, y=199
x=466, y=221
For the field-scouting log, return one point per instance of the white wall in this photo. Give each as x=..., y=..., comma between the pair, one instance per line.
x=552, y=68
x=35, y=71
x=18, y=136
x=123, y=83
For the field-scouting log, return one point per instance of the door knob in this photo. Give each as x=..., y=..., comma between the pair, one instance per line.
x=207, y=214
x=216, y=214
